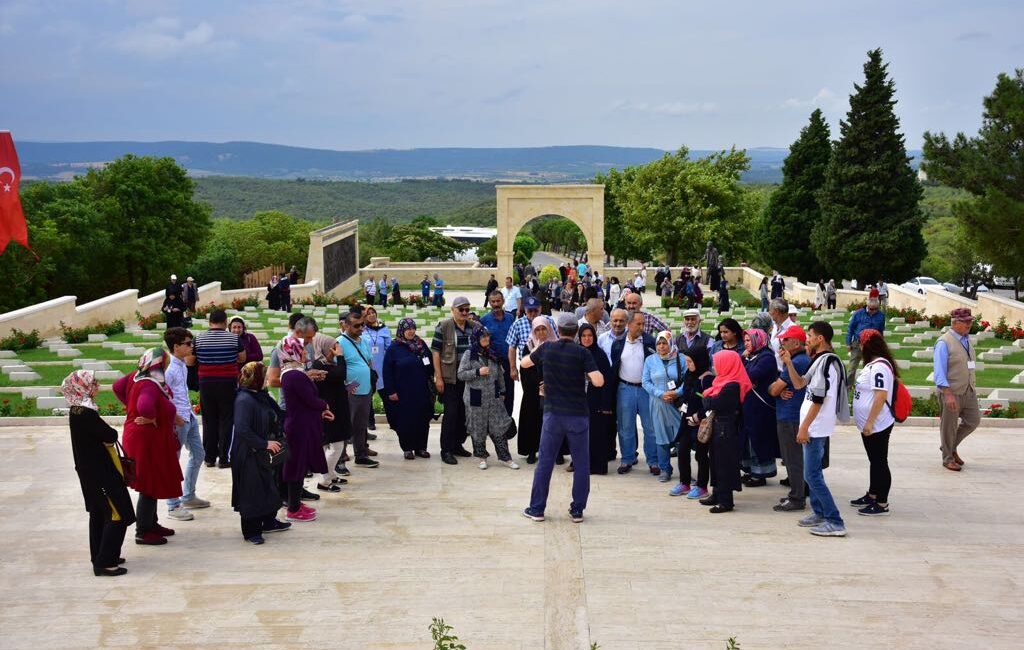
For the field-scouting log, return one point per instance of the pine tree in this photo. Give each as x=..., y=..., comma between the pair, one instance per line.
x=784, y=233
x=871, y=223
x=990, y=167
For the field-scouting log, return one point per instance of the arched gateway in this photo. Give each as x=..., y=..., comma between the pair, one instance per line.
x=581, y=204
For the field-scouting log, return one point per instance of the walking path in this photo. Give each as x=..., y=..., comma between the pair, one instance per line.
x=417, y=539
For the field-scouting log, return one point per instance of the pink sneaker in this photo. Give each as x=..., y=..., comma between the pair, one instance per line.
x=302, y=514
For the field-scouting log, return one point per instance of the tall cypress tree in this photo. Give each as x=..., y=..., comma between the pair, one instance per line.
x=784, y=233
x=871, y=223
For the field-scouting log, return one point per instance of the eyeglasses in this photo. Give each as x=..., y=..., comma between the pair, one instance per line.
x=463, y=310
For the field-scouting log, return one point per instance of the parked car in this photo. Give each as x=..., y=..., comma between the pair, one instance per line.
x=955, y=288
x=922, y=284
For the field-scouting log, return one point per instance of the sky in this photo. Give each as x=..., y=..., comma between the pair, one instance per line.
x=374, y=74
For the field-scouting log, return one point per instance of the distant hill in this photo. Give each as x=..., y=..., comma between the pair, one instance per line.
x=455, y=202
x=55, y=160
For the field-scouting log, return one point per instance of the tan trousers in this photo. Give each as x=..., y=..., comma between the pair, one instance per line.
x=956, y=425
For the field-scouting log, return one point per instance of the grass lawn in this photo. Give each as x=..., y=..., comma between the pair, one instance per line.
x=54, y=375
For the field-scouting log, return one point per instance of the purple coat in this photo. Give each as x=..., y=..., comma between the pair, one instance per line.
x=253, y=350
x=302, y=427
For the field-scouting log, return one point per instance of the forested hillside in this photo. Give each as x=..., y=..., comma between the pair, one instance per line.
x=454, y=202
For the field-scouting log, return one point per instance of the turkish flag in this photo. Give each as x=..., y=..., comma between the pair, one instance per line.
x=12, y=217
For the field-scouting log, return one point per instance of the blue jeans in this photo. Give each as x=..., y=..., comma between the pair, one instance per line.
x=665, y=459
x=822, y=502
x=556, y=428
x=188, y=436
x=632, y=401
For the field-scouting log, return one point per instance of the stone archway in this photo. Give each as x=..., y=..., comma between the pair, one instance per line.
x=581, y=204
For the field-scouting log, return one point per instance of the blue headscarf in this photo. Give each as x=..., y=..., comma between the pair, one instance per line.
x=416, y=345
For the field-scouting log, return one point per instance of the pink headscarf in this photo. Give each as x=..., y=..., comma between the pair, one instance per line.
x=728, y=368
x=534, y=341
x=758, y=339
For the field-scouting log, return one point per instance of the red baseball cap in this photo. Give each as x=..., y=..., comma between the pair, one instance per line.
x=794, y=332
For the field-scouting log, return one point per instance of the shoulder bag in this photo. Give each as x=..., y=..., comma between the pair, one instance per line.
x=707, y=426
x=127, y=464
x=359, y=351
x=267, y=458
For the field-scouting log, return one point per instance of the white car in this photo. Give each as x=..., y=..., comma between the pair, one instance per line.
x=922, y=284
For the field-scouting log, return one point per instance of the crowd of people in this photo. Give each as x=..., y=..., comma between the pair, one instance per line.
x=740, y=399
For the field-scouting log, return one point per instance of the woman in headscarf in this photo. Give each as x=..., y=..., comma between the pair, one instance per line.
x=820, y=295
x=174, y=310
x=302, y=427
x=663, y=381
x=601, y=402
x=730, y=337
x=258, y=421
x=725, y=397
x=408, y=372
x=762, y=321
x=723, y=296
x=697, y=379
x=273, y=294
x=253, y=350
x=759, y=429
x=531, y=408
x=331, y=389
x=378, y=336
x=99, y=473
x=480, y=368
x=150, y=439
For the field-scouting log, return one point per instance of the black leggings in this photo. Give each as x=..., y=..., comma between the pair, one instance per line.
x=294, y=495
x=145, y=515
x=877, y=447
x=687, y=441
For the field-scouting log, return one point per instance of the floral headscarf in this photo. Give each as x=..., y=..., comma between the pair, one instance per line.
x=77, y=388
x=290, y=354
x=252, y=375
x=151, y=368
x=758, y=339
x=672, y=349
x=416, y=345
x=478, y=351
x=534, y=341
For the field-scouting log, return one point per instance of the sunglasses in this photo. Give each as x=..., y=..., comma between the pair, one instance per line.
x=463, y=310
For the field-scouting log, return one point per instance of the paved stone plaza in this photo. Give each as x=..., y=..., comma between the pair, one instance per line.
x=417, y=539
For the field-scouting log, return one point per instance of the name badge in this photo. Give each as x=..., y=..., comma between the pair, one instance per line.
x=425, y=361
x=971, y=365
x=671, y=385
x=375, y=349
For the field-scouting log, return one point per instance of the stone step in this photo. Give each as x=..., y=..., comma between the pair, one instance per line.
x=133, y=351
x=1012, y=394
x=11, y=369
x=109, y=375
x=928, y=353
x=96, y=365
x=68, y=353
x=97, y=338
x=52, y=402
x=25, y=375
x=8, y=354
x=32, y=392
x=81, y=361
x=11, y=361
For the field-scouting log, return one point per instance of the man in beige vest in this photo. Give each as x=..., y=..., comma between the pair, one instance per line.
x=955, y=361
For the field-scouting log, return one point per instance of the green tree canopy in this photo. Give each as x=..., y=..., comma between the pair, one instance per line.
x=523, y=249
x=871, y=222
x=676, y=205
x=784, y=231
x=990, y=167
x=413, y=243
x=617, y=243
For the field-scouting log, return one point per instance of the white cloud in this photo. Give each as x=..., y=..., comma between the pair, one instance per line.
x=162, y=38
x=824, y=98
x=670, y=109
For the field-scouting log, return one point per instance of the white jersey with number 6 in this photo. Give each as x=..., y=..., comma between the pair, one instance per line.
x=874, y=377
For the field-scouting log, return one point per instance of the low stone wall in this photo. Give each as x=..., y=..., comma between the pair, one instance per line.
x=108, y=308
x=993, y=307
x=45, y=317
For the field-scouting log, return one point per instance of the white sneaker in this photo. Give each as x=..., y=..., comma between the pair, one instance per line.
x=511, y=464
x=483, y=464
x=181, y=514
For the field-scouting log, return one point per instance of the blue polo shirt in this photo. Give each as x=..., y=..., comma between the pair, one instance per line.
x=358, y=370
x=788, y=410
x=499, y=330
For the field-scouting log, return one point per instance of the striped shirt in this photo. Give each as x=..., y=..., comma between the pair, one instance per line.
x=216, y=353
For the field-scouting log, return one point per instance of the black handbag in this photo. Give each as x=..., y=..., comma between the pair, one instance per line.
x=127, y=464
x=269, y=459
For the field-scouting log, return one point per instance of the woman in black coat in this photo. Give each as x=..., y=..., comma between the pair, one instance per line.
x=408, y=398
x=332, y=390
x=698, y=379
x=254, y=492
x=273, y=294
x=100, y=474
x=725, y=397
x=174, y=310
x=601, y=402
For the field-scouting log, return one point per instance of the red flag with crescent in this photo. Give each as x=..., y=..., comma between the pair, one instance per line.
x=12, y=217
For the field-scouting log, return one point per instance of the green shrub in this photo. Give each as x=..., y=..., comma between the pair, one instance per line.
x=149, y=322
x=18, y=340
x=443, y=639
x=922, y=407
x=81, y=334
x=19, y=409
